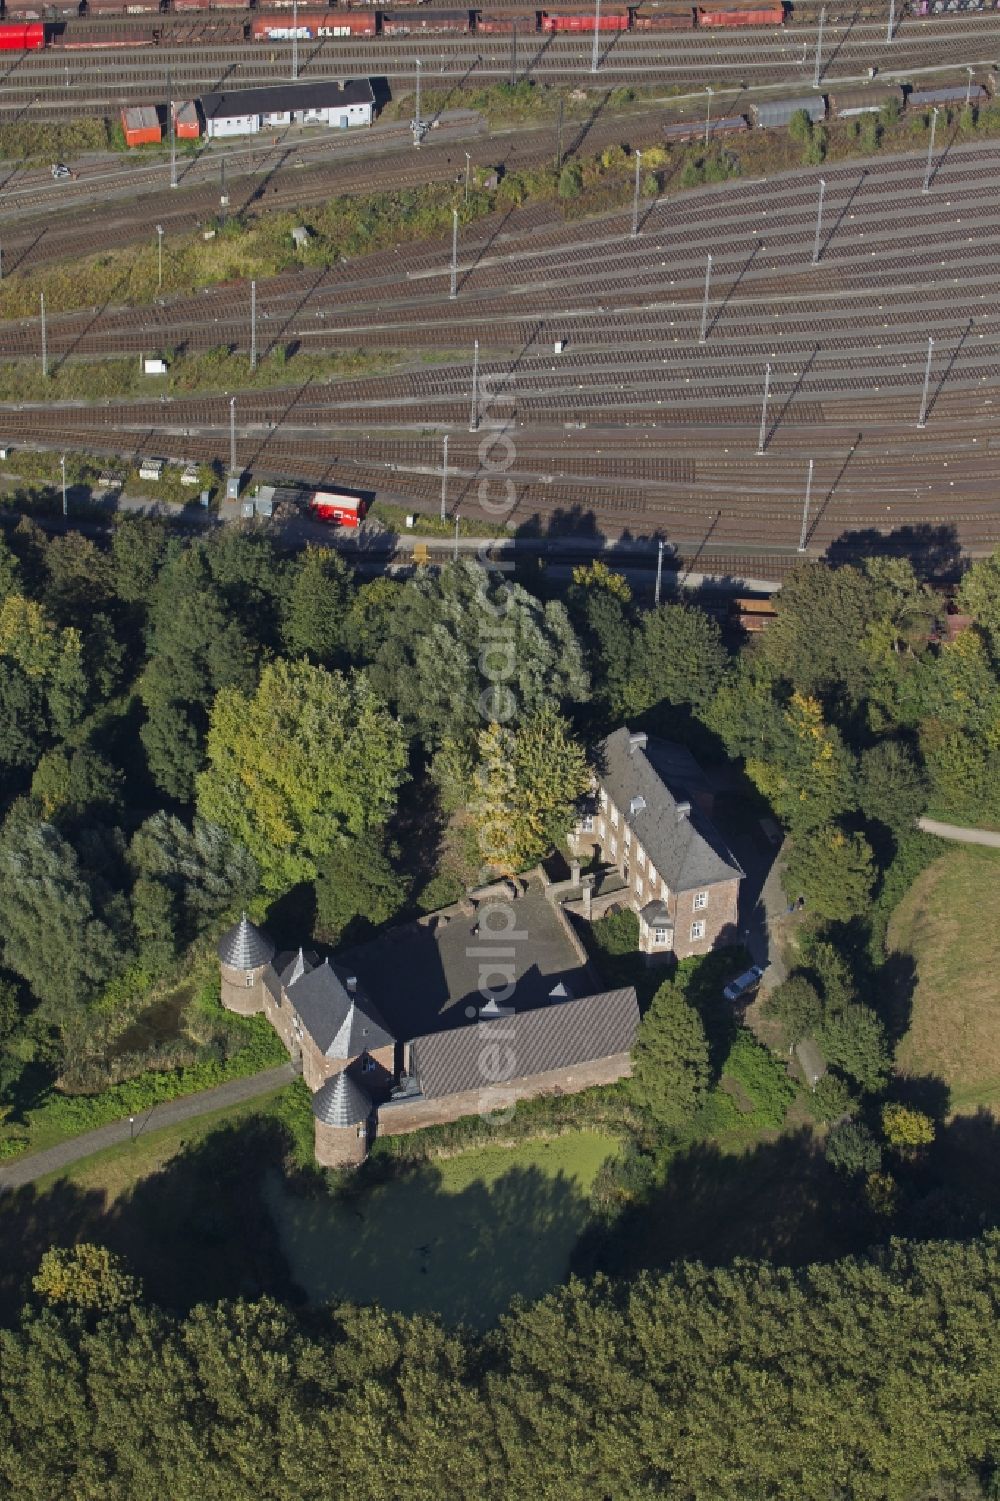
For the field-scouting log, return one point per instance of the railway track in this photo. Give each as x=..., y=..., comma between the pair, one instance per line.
x=639, y=426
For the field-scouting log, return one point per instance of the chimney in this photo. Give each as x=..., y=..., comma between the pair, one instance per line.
x=683, y=811
x=637, y=741
x=352, y=980
x=636, y=806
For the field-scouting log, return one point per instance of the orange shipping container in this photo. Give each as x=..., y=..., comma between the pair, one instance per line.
x=187, y=126
x=141, y=126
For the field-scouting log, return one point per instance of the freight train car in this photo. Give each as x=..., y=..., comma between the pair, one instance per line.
x=773, y=15
x=664, y=20
x=616, y=20
x=696, y=130
x=29, y=37
x=421, y=22
x=315, y=25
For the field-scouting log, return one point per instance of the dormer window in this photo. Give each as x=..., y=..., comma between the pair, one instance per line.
x=368, y=1064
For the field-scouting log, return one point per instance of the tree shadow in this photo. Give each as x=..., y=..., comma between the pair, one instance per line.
x=934, y=551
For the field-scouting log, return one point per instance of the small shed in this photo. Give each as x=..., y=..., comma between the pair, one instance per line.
x=151, y=469
x=300, y=237
x=190, y=476
x=154, y=367
x=187, y=125
x=141, y=125
x=770, y=114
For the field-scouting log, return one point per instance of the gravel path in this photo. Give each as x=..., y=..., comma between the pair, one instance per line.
x=36, y=1165
x=955, y=831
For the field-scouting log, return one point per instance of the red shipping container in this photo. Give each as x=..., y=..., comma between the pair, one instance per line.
x=29, y=38
x=141, y=126
x=343, y=510
x=575, y=22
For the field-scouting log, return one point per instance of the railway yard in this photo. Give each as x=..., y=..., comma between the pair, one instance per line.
x=804, y=361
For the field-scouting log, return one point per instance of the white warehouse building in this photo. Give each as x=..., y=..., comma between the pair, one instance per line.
x=247, y=111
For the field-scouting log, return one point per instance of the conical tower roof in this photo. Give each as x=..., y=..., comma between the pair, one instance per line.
x=245, y=946
x=341, y=1102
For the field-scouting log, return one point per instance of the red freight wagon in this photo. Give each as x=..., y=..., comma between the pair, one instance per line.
x=615, y=21
x=344, y=510
x=30, y=38
x=773, y=16
x=329, y=23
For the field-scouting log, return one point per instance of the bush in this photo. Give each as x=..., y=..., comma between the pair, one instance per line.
x=852, y=1149
x=692, y=174
x=815, y=151
x=832, y=1098
x=800, y=127
x=571, y=181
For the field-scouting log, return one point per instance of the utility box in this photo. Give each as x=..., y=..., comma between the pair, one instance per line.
x=151, y=469
x=410, y=520
x=4, y=451
x=559, y=346
x=233, y=488
x=154, y=367
x=205, y=497
x=247, y=510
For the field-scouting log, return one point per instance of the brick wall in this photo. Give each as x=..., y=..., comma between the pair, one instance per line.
x=412, y=1115
x=721, y=919
x=237, y=995
x=340, y=1146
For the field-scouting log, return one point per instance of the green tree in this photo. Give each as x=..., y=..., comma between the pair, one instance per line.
x=680, y=656
x=79, y=578
x=852, y=1149
x=795, y=1003
x=318, y=598
x=800, y=127
x=312, y=756
x=818, y=641
x=834, y=871
x=205, y=872
x=67, y=784
x=670, y=1067
x=358, y=888
x=802, y=766
x=527, y=787
x=138, y=545
x=979, y=596
x=892, y=787
x=571, y=180
x=855, y=1041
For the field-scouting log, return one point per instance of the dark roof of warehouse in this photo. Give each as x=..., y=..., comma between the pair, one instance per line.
x=341, y=1102
x=342, y=1023
x=684, y=845
x=244, y=946
x=556, y=1036
x=285, y=97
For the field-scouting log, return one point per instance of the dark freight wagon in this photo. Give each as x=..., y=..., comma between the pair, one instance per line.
x=848, y=103
x=616, y=20
x=771, y=114
x=310, y=25
x=426, y=23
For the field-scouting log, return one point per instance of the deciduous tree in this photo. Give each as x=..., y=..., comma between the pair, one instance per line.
x=670, y=1060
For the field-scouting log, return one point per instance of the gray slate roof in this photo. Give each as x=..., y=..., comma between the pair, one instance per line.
x=686, y=849
x=341, y=1102
x=244, y=946
x=657, y=913
x=341, y=1024
x=555, y=1036
x=282, y=98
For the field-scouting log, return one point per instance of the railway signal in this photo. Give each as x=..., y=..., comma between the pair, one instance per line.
x=762, y=436
x=819, y=220
x=922, y=419
x=817, y=75
x=635, y=201
x=930, y=152
x=444, y=481
x=474, y=418
x=704, y=305
x=454, y=254
x=805, y=509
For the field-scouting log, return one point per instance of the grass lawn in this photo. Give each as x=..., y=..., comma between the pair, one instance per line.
x=459, y=1237
x=949, y=924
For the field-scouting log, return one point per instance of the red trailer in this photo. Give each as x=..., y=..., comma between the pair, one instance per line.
x=314, y=24
x=612, y=21
x=342, y=510
x=22, y=38
x=774, y=15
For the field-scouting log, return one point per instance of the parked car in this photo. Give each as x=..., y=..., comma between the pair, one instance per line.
x=749, y=980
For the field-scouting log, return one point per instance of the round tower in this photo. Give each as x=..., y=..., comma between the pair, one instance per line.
x=244, y=954
x=342, y=1110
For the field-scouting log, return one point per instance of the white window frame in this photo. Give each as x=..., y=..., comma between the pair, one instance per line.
x=250, y=978
x=638, y=884
x=640, y=854
x=604, y=798
x=614, y=816
x=661, y=937
x=368, y=1064
x=587, y=823
x=697, y=930
x=700, y=901
x=628, y=837
x=614, y=847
